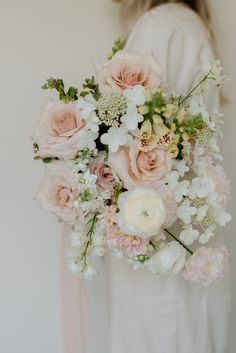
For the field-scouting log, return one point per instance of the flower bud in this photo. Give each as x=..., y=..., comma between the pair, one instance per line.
x=146, y=130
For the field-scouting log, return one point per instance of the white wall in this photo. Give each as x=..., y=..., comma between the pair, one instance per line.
x=40, y=39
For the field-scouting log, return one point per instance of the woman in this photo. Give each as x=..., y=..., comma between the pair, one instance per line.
x=146, y=313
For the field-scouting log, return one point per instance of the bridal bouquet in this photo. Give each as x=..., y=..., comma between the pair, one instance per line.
x=126, y=160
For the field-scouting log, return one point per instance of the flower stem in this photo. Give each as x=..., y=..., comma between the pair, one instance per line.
x=179, y=241
x=89, y=237
x=153, y=245
x=194, y=89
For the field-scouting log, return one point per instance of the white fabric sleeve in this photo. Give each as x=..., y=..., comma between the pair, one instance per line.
x=177, y=38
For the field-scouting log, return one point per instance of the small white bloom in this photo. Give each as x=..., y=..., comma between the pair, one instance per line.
x=142, y=212
x=172, y=179
x=170, y=260
x=181, y=190
x=222, y=217
x=132, y=117
x=90, y=272
x=86, y=105
x=115, y=137
x=217, y=73
x=201, y=187
x=135, y=95
x=182, y=167
x=201, y=212
x=87, y=140
x=186, y=211
x=209, y=233
x=93, y=122
x=188, y=235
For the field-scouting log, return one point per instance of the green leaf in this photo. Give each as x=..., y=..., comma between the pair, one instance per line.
x=47, y=160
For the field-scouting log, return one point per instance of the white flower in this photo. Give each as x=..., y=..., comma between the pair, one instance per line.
x=201, y=212
x=182, y=167
x=132, y=117
x=201, y=187
x=197, y=106
x=217, y=73
x=115, y=137
x=172, y=179
x=92, y=123
x=90, y=272
x=185, y=211
x=87, y=140
x=181, y=190
x=221, y=216
x=188, y=235
x=170, y=260
x=142, y=212
x=135, y=95
x=86, y=105
x=209, y=233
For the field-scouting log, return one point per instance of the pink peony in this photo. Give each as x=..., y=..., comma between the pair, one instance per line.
x=57, y=191
x=217, y=174
x=105, y=177
x=140, y=169
x=206, y=266
x=131, y=245
x=126, y=70
x=59, y=131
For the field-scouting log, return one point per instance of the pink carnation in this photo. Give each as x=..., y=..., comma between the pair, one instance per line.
x=217, y=174
x=131, y=245
x=207, y=266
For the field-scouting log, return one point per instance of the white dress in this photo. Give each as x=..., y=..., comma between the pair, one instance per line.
x=137, y=312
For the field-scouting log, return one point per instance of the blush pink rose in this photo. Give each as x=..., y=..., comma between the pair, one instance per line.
x=130, y=245
x=136, y=168
x=105, y=177
x=207, y=265
x=57, y=192
x=59, y=130
x=126, y=70
x=168, y=198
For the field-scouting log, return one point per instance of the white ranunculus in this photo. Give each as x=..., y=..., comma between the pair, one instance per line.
x=170, y=260
x=142, y=212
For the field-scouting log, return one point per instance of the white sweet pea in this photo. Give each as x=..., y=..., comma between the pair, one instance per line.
x=115, y=137
x=188, y=235
x=186, y=211
x=182, y=167
x=181, y=190
x=209, y=233
x=87, y=105
x=142, y=212
x=135, y=95
x=201, y=187
x=132, y=117
x=170, y=260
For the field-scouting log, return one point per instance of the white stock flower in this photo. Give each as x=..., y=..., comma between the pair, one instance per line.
x=170, y=260
x=115, y=137
x=201, y=187
x=142, y=212
x=188, y=235
x=132, y=117
x=186, y=211
x=135, y=95
x=209, y=233
x=182, y=167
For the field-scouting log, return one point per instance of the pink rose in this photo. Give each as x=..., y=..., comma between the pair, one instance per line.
x=126, y=70
x=57, y=192
x=207, y=266
x=136, y=168
x=105, y=177
x=59, y=131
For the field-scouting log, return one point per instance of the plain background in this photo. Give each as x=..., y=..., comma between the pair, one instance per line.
x=39, y=39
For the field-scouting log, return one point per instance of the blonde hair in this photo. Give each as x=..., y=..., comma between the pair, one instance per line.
x=131, y=10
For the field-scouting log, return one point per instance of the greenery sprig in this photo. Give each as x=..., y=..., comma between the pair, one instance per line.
x=118, y=45
x=58, y=85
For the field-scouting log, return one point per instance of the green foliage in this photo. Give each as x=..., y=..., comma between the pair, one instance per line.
x=58, y=85
x=90, y=86
x=118, y=45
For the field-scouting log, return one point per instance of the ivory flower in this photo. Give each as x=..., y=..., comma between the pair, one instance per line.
x=142, y=212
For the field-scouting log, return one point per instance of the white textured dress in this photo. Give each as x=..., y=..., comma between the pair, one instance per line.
x=137, y=312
